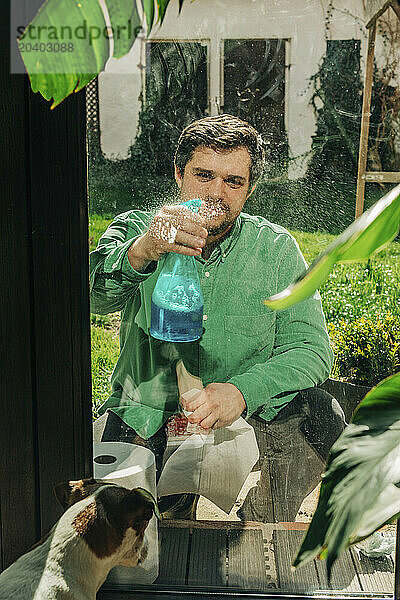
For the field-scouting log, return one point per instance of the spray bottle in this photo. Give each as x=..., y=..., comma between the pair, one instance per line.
x=177, y=302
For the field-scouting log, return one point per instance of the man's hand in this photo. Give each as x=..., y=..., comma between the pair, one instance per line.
x=218, y=405
x=175, y=228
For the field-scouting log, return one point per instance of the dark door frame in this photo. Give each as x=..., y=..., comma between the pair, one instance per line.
x=45, y=419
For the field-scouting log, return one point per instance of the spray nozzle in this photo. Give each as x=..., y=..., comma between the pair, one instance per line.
x=194, y=204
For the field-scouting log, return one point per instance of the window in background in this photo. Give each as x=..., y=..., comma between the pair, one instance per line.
x=254, y=90
x=174, y=95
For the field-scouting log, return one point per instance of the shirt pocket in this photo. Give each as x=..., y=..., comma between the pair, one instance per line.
x=249, y=340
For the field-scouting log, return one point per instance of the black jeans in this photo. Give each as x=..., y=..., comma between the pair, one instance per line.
x=293, y=448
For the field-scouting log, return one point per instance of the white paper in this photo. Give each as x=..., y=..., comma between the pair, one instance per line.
x=214, y=465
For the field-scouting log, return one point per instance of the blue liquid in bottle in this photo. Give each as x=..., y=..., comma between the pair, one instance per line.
x=177, y=302
x=176, y=306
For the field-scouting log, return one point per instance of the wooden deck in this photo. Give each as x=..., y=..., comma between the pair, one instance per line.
x=255, y=556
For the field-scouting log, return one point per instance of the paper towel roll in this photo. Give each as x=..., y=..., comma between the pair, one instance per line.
x=130, y=466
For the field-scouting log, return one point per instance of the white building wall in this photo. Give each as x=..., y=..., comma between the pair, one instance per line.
x=301, y=22
x=119, y=89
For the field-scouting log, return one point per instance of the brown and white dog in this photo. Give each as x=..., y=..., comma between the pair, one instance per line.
x=103, y=526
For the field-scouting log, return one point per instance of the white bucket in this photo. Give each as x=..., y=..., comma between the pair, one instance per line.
x=130, y=466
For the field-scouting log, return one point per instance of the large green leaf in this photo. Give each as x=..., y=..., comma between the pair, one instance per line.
x=57, y=73
x=148, y=9
x=126, y=24
x=80, y=26
x=368, y=234
x=360, y=490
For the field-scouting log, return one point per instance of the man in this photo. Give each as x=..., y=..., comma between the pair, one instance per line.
x=250, y=359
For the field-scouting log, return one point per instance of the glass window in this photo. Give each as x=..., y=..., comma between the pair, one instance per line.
x=177, y=338
x=254, y=90
x=175, y=94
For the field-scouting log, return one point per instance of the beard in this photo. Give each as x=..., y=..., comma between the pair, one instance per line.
x=212, y=211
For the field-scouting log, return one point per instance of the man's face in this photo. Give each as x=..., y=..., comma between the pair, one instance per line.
x=221, y=180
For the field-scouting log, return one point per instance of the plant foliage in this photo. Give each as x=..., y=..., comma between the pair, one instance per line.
x=57, y=74
x=360, y=490
x=336, y=99
x=366, y=350
x=337, y=103
x=175, y=95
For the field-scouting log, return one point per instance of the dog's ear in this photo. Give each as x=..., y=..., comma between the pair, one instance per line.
x=150, y=498
x=62, y=492
x=137, y=508
x=69, y=492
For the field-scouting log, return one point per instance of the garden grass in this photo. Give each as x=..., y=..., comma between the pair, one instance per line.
x=97, y=226
x=105, y=350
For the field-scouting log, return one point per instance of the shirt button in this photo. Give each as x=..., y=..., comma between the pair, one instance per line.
x=204, y=317
x=207, y=274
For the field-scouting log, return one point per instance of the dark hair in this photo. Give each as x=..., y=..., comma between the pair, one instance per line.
x=221, y=132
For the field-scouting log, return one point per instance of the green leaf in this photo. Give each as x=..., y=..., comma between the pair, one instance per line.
x=368, y=234
x=162, y=7
x=126, y=24
x=148, y=496
x=56, y=74
x=148, y=9
x=360, y=490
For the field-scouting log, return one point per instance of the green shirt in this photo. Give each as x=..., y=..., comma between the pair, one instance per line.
x=268, y=355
